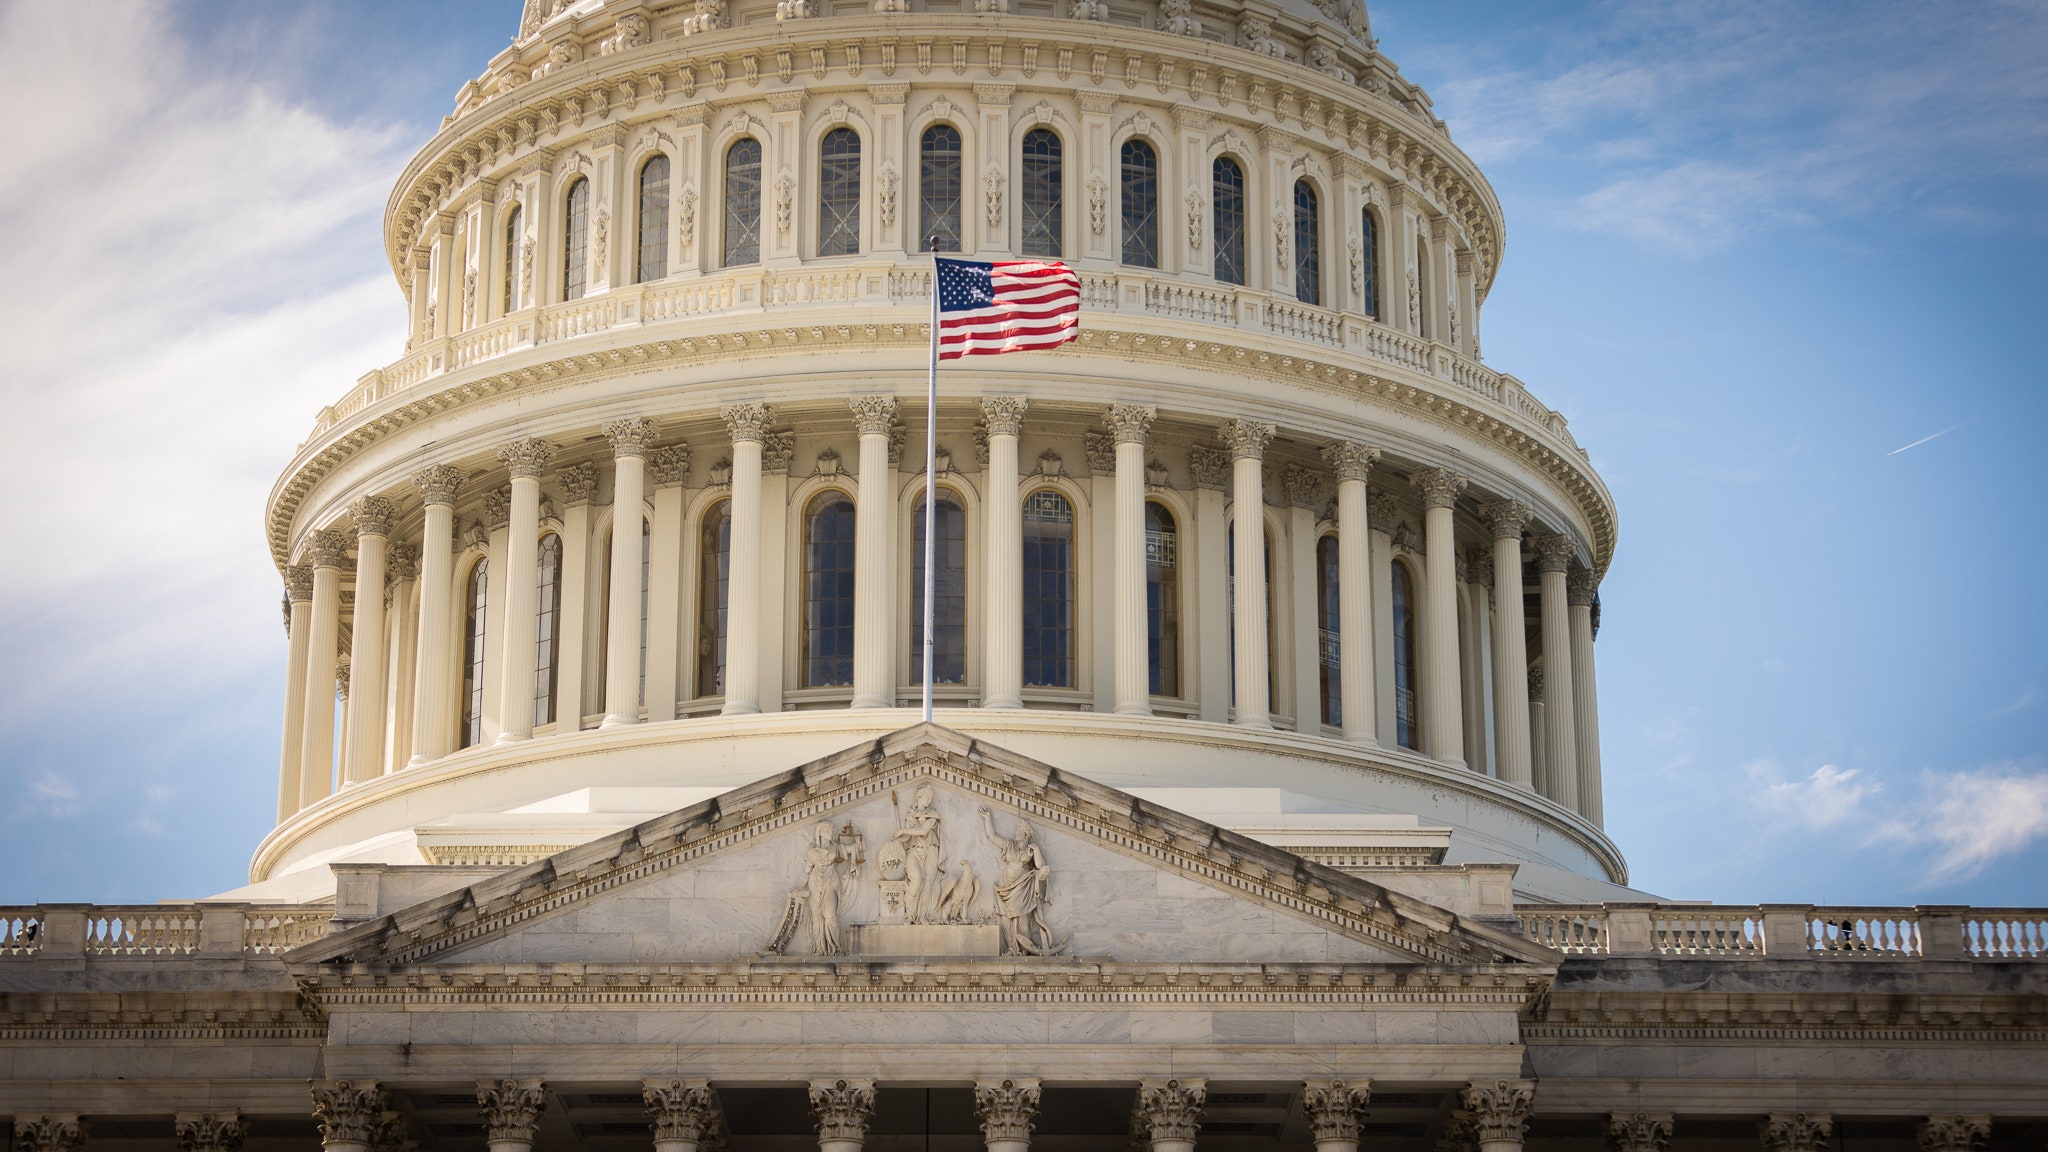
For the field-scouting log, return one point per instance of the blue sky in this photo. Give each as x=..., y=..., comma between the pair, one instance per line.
x=1754, y=252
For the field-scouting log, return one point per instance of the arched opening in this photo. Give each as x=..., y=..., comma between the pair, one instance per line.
x=714, y=588
x=1226, y=209
x=1041, y=194
x=652, y=260
x=1162, y=599
x=511, y=299
x=742, y=202
x=1369, y=262
x=1140, y=204
x=575, y=239
x=1308, y=244
x=939, y=187
x=547, y=629
x=828, y=590
x=839, y=193
x=475, y=613
x=949, y=577
x=1329, y=630
x=1407, y=718
x=1048, y=590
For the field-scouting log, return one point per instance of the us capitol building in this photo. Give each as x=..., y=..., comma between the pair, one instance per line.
x=1263, y=805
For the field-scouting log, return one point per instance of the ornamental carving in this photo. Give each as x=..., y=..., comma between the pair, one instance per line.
x=1098, y=203
x=208, y=1131
x=1155, y=473
x=842, y=1108
x=1246, y=439
x=469, y=297
x=1020, y=889
x=373, y=515
x=1100, y=448
x=1414, y=302
x=1209, y=466
x=992, y=194
x=1171, y=1111
x=1638, y=1131
x=1303, y=486
x=1439, y=487
x=828, y=463
x=1554, y=552
x=1003, y=415
x=1796, y=1132
x=669, y=466
x=497, y=508
x=298, y=582
x=818, y=903
x=600, y=237
x=1349, y=460
x=560, y=55
x=1087, y=10
x=1506, y=518
x=578, y=483
x=792, y=10
x=628, y=31
x=897, y=436
x=1500, y=1110
x=511, y=1109
x=1007, y=1111
x=778, y=450
x=1178, y=18
x=1954, y=1133
x=885, y=188
x=686, y=214
x=1476, y=567
x=402, y=564
x=1354, y=252
x=679, y=1109
x=1323, y=58
x=1283, y=227
x=630, y=436
x=55, y=1132
x=1382, y=510
x=1128, y=423
x=526, y=458
x=1581, y=587
x=873, y=415
x=1335, y=1108
x=526, y=267
x=341, y=672
x=746, y=422
x=785, y=201
x=1255, y=34
x=1193, y=201
x=347, y=1110
x=328, y=549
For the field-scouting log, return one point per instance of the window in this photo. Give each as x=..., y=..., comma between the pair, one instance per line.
x=1041, y=193
x=512, y=301
x=743, y=202
x=476, y=606
x=949, y=611
x=653, y=263
x=1308, y=244
x=1407, y=721
x=1048, y=590
x=1328, y=625
x=839, y=193
x=575, y=239
x=1226, y=207
x=547, y=629
x=1162, y=600
x=714, y=575
x=828, y=591
x=1426, y=323
x=1141, y=204
x=939, y=189
x=1369, y=261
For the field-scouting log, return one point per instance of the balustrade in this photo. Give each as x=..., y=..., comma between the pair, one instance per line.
x=1707, y=932
x=1302, y=322
x=21, y=932
x=1863, y=931
x=1574, y=933
x=267, y=933
x=157, y=931
x=2006, y=933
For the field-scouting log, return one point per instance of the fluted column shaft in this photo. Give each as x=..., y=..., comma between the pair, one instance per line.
x=299, y=593
x=1560, y=712
x=316, y=763
x=1132, y=651
x=748, y=424
x=1443, y=717
x=630, y=438
x=873, y=529
x=1510, y=650
x=433, y=716
x=1247, y=442
x=1581, y=587
x=524, y=459
x=1003, y=632
x=366, y=651
x=1356, y=692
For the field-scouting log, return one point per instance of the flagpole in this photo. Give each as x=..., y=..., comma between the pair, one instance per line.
x=931, y=482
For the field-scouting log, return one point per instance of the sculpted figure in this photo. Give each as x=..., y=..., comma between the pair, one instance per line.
x=1020, y=891
x=923, y=851
x=956, y=900
x=829, y=878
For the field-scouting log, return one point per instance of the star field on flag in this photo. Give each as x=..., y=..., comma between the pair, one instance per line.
x=1006, y=306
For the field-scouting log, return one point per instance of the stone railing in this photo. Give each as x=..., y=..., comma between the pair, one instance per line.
x=1787, y=929
x=150, y=930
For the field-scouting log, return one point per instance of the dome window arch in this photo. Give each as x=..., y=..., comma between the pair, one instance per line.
x=839, y=193
x=714, y=596
x=575, y=239
x=828, y=590
x=1048, y=590
x=1140, y=164
x=511, y=298
x=742, y=196
x=547, y=630
x=1226, y=211
x=1329, y=631
x=1042, y=200
x=1162, y=600
x=940, y=187
x=1369, y=263
x=476, y=604
x=1407, y=717
x=652, y=258
x=949, y=609
x=1308, y=243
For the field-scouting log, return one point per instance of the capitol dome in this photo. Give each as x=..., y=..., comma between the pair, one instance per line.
x=668, y=265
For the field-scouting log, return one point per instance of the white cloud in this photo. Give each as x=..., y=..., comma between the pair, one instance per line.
x=1827, y=797
x=51, y=795
x=1977, y=817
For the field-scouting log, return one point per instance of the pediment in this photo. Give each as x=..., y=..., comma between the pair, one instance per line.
x=910, y=846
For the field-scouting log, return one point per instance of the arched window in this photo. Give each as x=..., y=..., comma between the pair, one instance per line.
x=949, y=610
x=828, y=591
x=1426, y=323
x=511, y=300
x=547, y=629
x=939, y=182
x=653, y=261
x=839, y=193
x=1162, y=600
x=714, y=575
x=1226, y=208
x=1048, y=590
x=1041, y=182
x=1308, y=244
x=1329, y=625
x=1369, y=262
x=1407, y=721
x=1141, y=204
x=476, y=606
x=575, y=239
x=743, y=202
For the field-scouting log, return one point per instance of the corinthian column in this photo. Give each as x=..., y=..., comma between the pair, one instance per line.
x=748, y=424
x=1443, y=719
x=366, y=652
x=208, y=1131
x=1796, y=1132
x=1560, y=712
x=1170, y=1113
x=524, y=459
x=1639, y=1131
x=328, y=552
x=874, y=665
x=1003, y=675
x=511, y=1110
x=1127, y=425
x=1356, y=693
x=1500, y=1113
x=348, y=1112
x=1335, y=1107
x=681, y=1112
x=630, y=438
x=298, y=590
x=842, y=1108
x=1008, y=1110
x=1953, y=1133
x=1247, y=442
x=433, y=716
x=49, y=1132
x=1507, y=518
x=1580, y=589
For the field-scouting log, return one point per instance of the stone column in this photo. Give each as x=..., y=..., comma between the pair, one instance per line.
x=874, y=666
x=401, y=666
x=1796, y=1132
x=681, y=1113
x=630, y=438
x=1008, y=1110
x=1298, y=642
x=1560, y=730
x=348, y=1112
x=298, y=590
x=328, y=552
x=1512, y=753
x=1127, y=425
x=373, y=515
x=1500, y=1113
x=1383, y=512
x=1247, y=440
x=1170, y=1111
x=1443, y=719
x=1002, y=675
x=670, y=467
x=524, y=459
x=433, y=716
x=208, y=1131
x=1953, y=1133
x=576, y=485
x=49, y=1132
x=842, y=1108
x=341, y=703
x=748, y=424
x=1205, y=664
x=511, y=1110
x=1475, y=578
x=1539, y=748
x=1639, y=1131
x=1334, y=1109
x=1580, y=589
x=1356, y=695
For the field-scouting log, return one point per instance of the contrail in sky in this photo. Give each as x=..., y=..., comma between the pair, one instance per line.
x=1925, y=439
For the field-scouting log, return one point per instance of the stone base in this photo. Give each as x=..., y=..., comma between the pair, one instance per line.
x=926, y=940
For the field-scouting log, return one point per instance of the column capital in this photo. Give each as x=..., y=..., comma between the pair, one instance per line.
x=525, y=458
x=49, y=1132
x=778, y=450
x=1246, y=439
x=1382, y=510
x=1439, y=487
x=1303, y=486
x=1554, y=552
x=1954, y=1133
x=1007, y=1109
x=511, y=1108
x=208, y=1131
x=373, y=515
x=402, y=563
x=842, y=1108
x=746, y=421
x=630, y=435
x=1004, y=415
x=1334, y=1107
x=1796, y=1131
x=669, y=466
x=678, y=1109
x=1475, y=566
x=328, y=549
x=1350, y=460
x=1500, y=1110
x=348, y=1111
x=341, y=674
x=1171, y=1109
x=1506, y=518
x=497, y=508
x=298, y=582
x=578, y=483
x=873, y=415
x=438, y=483
x=1128, y=423
x=1581, y=587
x=1638, y=1131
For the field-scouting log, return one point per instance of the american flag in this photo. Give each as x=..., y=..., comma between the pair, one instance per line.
x=1007, y=306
